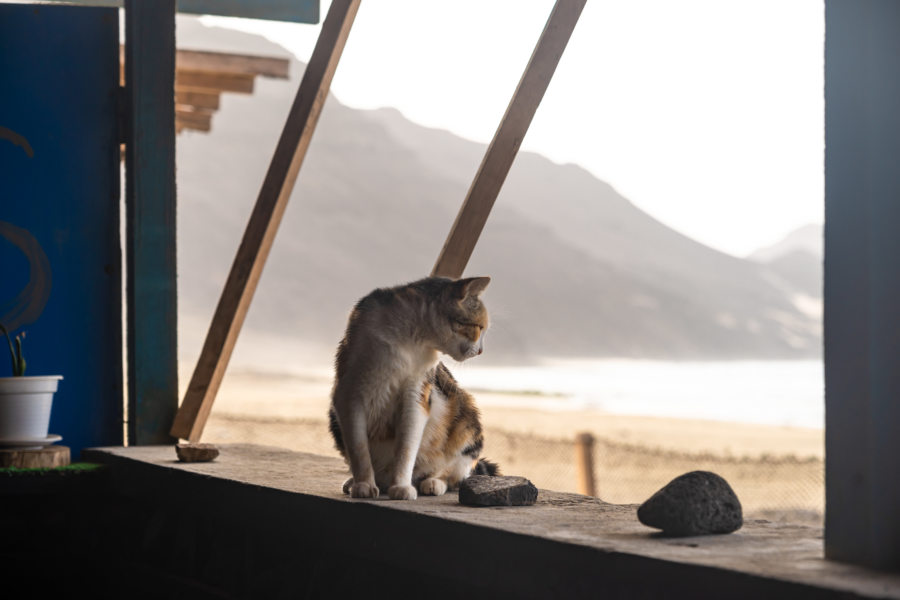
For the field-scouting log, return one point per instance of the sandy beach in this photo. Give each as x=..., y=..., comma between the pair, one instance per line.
x=777, y=472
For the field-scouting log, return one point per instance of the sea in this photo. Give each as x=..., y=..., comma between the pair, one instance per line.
x=781, y=393
x=787, y=393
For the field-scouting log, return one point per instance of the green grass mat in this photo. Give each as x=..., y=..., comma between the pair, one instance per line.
x=79, y=468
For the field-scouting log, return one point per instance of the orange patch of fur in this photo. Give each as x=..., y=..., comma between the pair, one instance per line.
x=452, y=434
x=425, y=398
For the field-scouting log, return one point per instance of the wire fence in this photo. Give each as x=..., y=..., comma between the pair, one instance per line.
x=772, y=487
x=778, y=488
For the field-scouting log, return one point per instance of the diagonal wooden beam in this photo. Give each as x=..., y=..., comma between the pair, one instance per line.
x=260, y=232
x=500, y=154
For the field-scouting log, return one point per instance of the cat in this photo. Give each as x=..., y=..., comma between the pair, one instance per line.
x=397, y=415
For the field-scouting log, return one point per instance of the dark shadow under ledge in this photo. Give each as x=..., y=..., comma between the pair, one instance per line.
x=264, y=521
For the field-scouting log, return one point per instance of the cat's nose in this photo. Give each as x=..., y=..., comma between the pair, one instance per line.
x=479, y=351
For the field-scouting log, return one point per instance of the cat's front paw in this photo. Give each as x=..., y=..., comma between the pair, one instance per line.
x=364, y=489
x=402, y=492
x=432, y=487
x=347, y=485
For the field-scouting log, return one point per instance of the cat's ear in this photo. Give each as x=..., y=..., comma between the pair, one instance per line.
x=472, y=286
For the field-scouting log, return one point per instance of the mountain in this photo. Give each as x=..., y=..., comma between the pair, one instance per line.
x=808, y=239
x=578, y=271
x=797, y=259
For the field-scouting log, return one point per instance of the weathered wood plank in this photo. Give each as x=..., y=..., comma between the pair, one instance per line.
x=197, y=98
x=508, y=138
x=263, y=224
x=150, y=220
x=214, y=80
x=267, y=66
x=197, y=119
x=48, y=457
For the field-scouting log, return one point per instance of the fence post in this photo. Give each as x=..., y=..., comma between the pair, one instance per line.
x=584, y=464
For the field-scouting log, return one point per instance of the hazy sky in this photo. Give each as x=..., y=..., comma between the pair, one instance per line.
x=707, y=114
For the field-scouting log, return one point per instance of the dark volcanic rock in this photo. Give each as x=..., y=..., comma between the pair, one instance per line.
x=695, y=503
x=488, y=490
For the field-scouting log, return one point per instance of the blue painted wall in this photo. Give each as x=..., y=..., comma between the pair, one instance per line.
x=60, y=257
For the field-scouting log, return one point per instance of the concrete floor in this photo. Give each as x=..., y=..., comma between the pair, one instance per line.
x=763, y=553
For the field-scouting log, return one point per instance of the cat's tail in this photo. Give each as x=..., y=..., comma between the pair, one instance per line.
x=486, y=467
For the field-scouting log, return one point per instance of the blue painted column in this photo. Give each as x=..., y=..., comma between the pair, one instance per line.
x=862, y=282
x=150, y=220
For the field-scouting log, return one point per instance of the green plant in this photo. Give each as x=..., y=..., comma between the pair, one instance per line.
x=15, y=353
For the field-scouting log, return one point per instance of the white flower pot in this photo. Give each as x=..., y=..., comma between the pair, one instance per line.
x=25, y=404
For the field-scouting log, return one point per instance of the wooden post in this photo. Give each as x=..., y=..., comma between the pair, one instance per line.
x=584, y=464
x=150, y=220
x=260, y=232
x=500, y=154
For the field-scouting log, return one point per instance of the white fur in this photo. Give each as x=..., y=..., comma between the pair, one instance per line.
x=385, y=470
x=388, y=393
x=433, y=487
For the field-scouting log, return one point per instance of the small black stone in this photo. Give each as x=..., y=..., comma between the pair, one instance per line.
x=496, y=490
x=696, y=503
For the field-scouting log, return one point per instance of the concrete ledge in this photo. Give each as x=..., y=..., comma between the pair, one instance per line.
x=261, y=516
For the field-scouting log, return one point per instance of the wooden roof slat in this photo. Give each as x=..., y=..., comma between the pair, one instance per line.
x=201, y=76
x=197, y=119
x=266, y=66
x=213, y=80
x=197, y=98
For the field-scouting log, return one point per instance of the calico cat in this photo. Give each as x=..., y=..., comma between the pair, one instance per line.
x=397, y=415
